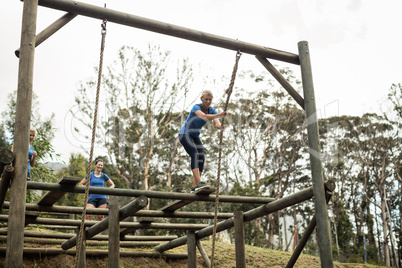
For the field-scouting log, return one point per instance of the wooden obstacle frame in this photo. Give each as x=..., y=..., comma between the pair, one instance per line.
x=18, y=207
x=120, y=236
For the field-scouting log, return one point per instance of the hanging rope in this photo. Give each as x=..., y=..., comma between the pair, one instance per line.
x=228, y=92
x=84, y=211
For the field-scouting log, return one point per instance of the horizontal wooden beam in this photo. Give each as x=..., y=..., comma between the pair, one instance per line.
x=248, y=216
x=123, y=244
x=135, y=205
x=101, y=13
x=134, y=225
x=149, y=194
x=50, y=30
x=56, y=251
x=141, y=213
x=96, y=237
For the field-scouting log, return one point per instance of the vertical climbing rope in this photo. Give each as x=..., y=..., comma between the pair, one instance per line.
x=228, y=93
x=84, y=211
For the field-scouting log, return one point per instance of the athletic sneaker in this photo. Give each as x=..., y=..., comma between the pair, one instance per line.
x=199, y=186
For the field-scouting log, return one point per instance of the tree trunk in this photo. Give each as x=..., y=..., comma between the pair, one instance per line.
x=285, y=230
x=335, y=229
x=271, y=231
x=295, y=228
x=385, y=232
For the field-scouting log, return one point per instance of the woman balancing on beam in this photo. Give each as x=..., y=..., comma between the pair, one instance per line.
x=97, y=180
x=189, y=135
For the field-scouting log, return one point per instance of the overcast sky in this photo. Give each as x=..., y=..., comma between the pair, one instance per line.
x=355, y=48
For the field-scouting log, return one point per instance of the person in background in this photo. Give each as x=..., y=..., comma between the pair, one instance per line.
x=32, y=154
x=97, y=179
x=189, y=135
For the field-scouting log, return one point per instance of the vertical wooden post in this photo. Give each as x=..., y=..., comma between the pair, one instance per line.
x=324, y=238
x=82, y=262
x=114, y=236
x=192, y=253
x=16, y=220
x=239, y=239
x=8, y=173
x=6, y=157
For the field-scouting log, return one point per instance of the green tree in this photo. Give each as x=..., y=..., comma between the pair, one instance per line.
x=77, y=167
x=3, y=138
x=143, y=115
x=45, y=132
x=395, y=95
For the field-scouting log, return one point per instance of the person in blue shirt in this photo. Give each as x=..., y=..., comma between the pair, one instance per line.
x=189, y=135
x=32, y=154
x=97, y=179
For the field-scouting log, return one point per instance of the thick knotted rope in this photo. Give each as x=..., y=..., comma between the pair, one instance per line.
x=228, y=93
x=95, y=119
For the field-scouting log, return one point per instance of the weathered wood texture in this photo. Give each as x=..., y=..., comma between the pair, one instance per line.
x=6, y=158
x=6, y=177
x=131, y=225
x=141, y=213
x=239, y=240
x=149, y=194
x=323, y=231
x=82, y=261
x=15, y=241
x=123, y=244
x=204, y=254
x=305, y=237
x=191, y=250
x=181, y=203
x=56, y=251
x=96, y=237
x=168, y=29
x=282, y=80
x=99, y=227
x=50, y=198
x=114, y=236
x=248, y=216
x=51, y=29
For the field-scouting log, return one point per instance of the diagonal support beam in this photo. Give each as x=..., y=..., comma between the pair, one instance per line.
x=279, y=77
x=125, y=212
x=250, y=215
x=303, y=241
x=203, y=253
x=50, y=30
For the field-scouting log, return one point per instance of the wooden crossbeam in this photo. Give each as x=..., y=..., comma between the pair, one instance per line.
x=50, y=198
x=181, y=203
x=172, y=207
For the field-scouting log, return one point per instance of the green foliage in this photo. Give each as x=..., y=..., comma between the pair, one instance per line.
x=3, y=138
x=45, y=132
x=77, y=168
x=143, y=118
